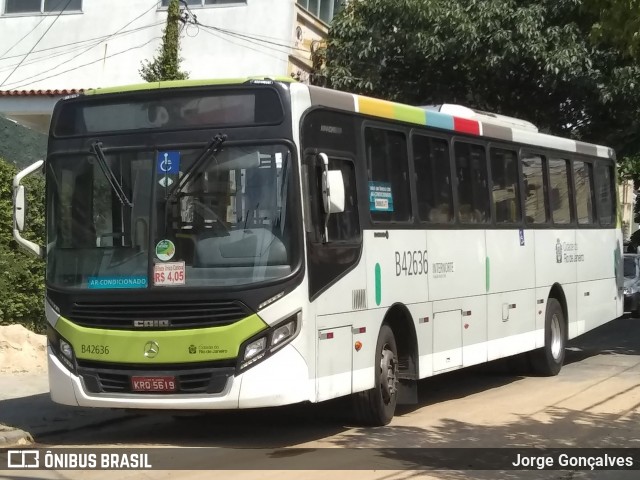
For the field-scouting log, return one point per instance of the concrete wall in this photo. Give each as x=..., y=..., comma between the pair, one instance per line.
x=105, y=43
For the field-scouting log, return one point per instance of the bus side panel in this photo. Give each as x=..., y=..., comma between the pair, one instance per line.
x=511, y=260
x=457, y=263
x=553, y=266
x=397, y=267
x=458, y=281
x=511, y=302
x=597, y=292
x=511, y=323
x=472, y=317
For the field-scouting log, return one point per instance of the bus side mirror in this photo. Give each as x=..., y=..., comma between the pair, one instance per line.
x=333, y=191
x=20, y=208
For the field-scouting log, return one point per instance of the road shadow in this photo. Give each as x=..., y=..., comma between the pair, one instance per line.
x=292, y=425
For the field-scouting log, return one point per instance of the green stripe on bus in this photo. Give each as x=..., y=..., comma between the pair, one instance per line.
x=173, y=346
x=378, y=284
x=409, y=114
x=487, y=269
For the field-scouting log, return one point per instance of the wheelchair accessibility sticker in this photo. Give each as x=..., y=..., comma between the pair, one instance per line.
x=168, y=162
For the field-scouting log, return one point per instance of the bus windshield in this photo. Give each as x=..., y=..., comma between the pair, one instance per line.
x=223, y=223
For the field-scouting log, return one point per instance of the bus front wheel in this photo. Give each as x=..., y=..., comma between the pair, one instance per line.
x=548, y=360
x=376, y=407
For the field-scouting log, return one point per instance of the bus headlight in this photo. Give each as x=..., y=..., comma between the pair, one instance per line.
x=61, y=348
x=258, y=348
x=66, y=349
x=281, y=334
x=255, y=348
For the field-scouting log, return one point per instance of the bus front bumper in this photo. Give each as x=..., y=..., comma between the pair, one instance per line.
x=281, y=379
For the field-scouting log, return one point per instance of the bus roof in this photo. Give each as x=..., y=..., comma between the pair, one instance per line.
x=422, y=116
x=185, y=83
x=351, y=102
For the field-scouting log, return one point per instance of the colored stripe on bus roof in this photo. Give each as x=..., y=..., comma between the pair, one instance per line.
x=417, y=115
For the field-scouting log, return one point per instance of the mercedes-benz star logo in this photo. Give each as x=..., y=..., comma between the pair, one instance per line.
x=151, y=349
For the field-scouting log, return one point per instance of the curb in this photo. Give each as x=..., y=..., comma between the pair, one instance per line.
x=11, y=437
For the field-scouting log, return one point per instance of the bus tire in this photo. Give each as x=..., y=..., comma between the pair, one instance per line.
x=377, y=406
x=548, y=360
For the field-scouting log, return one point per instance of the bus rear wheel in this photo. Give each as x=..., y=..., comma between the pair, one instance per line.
x=548, y=360
x=377, y=406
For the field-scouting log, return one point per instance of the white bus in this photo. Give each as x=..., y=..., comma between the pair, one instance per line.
x=260, y=242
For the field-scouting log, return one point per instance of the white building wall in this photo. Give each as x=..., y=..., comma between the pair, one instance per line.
x=105, y=44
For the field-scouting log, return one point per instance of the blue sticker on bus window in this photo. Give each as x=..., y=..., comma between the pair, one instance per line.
x=380, y=197
x=169, y=162
x=117, y=282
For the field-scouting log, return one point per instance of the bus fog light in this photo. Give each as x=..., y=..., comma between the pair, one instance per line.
x=255, y=348
x=66, y=349
x=282, y=333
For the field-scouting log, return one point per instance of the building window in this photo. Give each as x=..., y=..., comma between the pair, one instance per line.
x=203, y=3
x=325, y=10
x=42, y=6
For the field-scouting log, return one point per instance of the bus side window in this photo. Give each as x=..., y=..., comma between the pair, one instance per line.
x=388, y=167
x=344, y=226
x=533, y=180
x=433, y=179
x=559, y=191
x=506, y=188
x=583, y=178
x=606, y=195
x=473, y=188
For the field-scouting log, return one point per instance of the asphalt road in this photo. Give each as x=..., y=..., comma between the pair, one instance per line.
x=593, y=403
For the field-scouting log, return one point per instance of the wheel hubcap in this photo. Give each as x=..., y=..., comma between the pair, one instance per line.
x=556, y=338
x=388, y=374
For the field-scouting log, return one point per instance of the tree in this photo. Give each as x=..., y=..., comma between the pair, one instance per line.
x=166, y=64
x=22, y=279
x=618, y=23
x=530, y=59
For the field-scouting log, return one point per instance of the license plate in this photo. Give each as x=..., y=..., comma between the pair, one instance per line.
x=153, y=384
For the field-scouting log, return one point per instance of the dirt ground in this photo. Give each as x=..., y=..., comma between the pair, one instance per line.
x=21, y=350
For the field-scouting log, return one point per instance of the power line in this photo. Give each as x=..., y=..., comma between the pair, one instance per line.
x=96, y=42
x=36, y=44
x=154, y=6
x=92, y=62
x=23, y=37
x=244, y=46
x=102, y=37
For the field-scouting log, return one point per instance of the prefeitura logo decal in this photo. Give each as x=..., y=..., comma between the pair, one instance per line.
x=165, y=250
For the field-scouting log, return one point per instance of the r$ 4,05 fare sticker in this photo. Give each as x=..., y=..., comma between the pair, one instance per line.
x=171, y=273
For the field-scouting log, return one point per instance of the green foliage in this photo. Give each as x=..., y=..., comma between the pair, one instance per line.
x=22, y=145
x=166, y=65
x=22, y=279
x=529, y=59
x=618, y=24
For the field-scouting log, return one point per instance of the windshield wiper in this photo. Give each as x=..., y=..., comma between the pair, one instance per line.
x=96, y=149
x=210, y=150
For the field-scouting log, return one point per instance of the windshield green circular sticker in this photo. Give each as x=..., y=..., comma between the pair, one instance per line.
x=165, y=250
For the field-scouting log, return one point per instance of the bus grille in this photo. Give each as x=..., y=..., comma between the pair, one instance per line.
x=112, y=379
x=158, y=315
